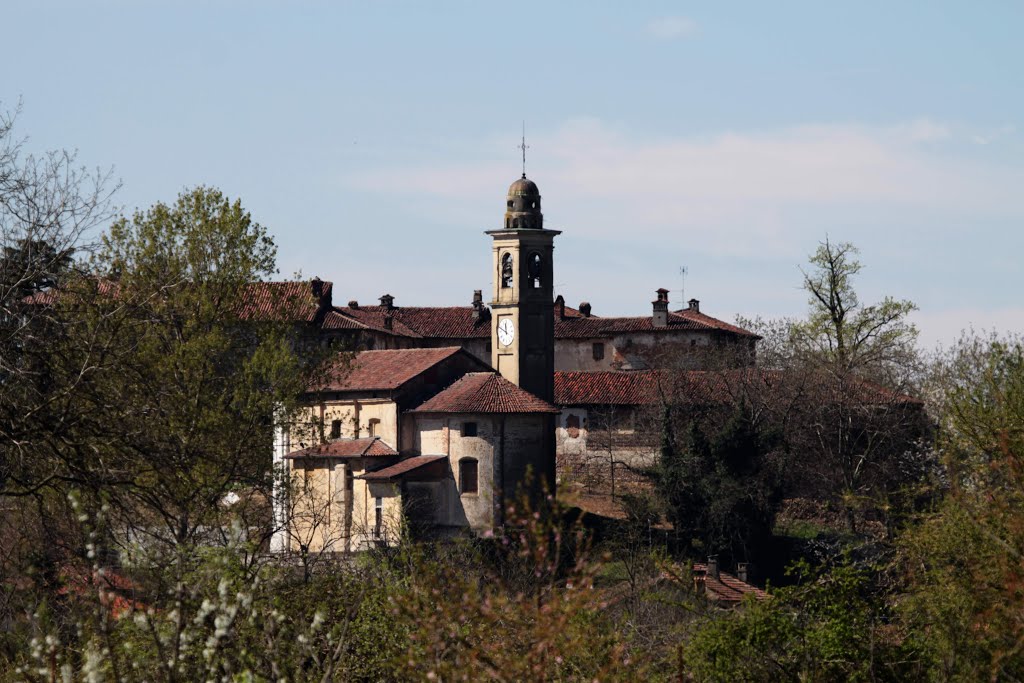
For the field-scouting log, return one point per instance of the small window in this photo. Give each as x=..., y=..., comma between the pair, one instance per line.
x=469, y=428
x=510, y=205
x=335, y=429
x=599, y=351
x=468, y=475
x=373, y=427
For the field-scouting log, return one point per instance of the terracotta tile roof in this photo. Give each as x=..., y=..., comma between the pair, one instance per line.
x=403, y=467
x=606, y=388
x=640, y=387
x=386, y=370
x=726, y=588
x=427, y=322
x=460, y=322
x=485, y=392
x=578, y=327
x=283, y=300
x=369, y=447
x=259, y=300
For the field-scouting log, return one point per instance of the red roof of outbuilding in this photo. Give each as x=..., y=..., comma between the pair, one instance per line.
x=282, y=301
x=403, y=467
x=726, y=588
x=369, y=447
x=485, y=392
x=386, y=370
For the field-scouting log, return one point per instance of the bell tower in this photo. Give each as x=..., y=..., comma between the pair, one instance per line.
x=522, y=307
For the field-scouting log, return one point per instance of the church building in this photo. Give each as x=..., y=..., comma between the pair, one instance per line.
x=439, y=416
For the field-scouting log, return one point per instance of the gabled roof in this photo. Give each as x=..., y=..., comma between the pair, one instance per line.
x=389, y=369
x=485, y=392
x=400, y=468
x=369, y=447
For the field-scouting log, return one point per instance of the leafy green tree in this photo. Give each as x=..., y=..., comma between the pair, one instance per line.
x=830, y=627
x=721, y=484
x=964, y=561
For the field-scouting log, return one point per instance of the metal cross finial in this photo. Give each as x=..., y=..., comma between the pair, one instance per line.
x=523, y=146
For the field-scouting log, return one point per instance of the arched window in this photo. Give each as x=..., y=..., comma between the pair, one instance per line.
x=533, y=267
x=506, y=270
x=468, y=475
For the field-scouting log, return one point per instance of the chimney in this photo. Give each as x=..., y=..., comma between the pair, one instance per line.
x=387, y=302
x=713, y=567
x=742, y=572
x=353, y=304
x=585, y=308
x=694, y=305
x=660, y=305
x=321, y=291
x=389, y=321
x=560, y=306
x=478, y=304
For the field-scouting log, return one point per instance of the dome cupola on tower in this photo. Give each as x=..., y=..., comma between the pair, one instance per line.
x=523, y=206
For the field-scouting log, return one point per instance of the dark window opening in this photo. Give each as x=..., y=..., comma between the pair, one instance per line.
x=533, y=268
x=599, y=351
x=510, y=204
x=378, y=517
x=572, y=426
x=469, y=428
x=372, y=427
x=468, y=475
x=335, y=429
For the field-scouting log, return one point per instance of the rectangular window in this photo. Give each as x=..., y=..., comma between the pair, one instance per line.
x=598, y=351
x=336, y=429
x=469, y=428
x=467, y=476
x=378, y=517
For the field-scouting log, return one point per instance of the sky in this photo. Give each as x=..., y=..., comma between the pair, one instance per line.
x=376, y=140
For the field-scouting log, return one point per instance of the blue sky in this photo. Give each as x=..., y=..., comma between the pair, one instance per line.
x=376, y=140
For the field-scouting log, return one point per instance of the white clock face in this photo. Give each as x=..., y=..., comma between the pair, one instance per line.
x=506, y=332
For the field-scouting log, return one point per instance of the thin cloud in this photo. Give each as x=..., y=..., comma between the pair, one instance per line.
x=672, y=28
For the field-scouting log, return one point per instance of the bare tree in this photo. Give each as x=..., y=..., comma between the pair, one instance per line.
x=49, y=205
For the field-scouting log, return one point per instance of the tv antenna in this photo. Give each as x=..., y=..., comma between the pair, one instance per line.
x=683, y=270
x=523, y=146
